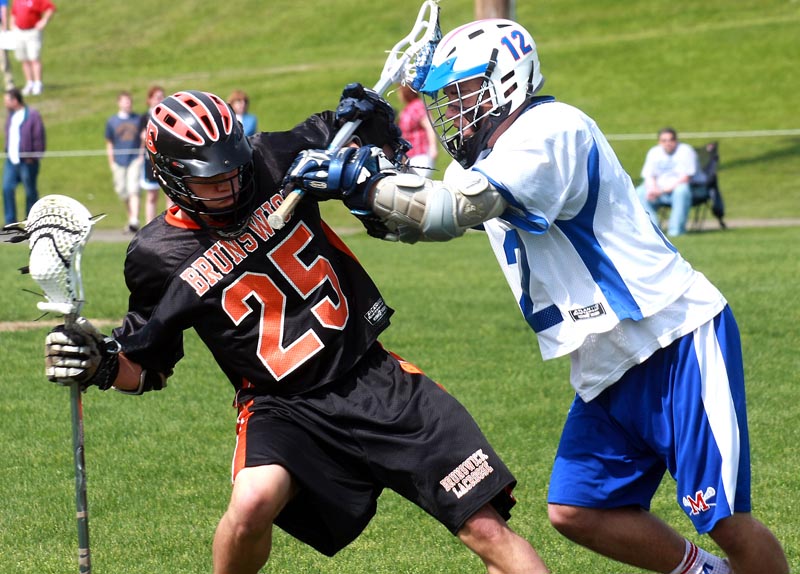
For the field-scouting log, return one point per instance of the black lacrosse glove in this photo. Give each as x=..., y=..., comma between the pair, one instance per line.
x=377, y=117
x=79, y=353
x=346, y=174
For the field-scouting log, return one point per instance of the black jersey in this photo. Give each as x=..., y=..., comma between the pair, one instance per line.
x=282, y=311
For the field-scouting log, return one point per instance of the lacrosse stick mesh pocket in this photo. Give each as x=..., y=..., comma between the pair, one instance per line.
x=58, y=228
x=416, y=73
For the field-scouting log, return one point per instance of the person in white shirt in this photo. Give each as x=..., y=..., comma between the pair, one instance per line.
x=25, y=146
x=655, y=351
x=668, y=171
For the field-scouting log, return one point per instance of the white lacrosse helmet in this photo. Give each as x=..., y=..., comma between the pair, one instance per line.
x=500, y=52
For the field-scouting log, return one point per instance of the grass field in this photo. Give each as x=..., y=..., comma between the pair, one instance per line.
x=158, y=465
x=633, y=66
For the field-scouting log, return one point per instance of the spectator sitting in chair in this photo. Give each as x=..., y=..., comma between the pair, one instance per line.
x=668, y=171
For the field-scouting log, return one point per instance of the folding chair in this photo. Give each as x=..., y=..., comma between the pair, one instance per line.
x=706, y=195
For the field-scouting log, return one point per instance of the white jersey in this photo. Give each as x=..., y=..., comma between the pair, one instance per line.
x=667, y=168
x=592, y=275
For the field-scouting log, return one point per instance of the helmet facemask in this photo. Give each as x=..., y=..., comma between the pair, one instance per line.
x=457, y=117
x=226, y=222
x=474, y=115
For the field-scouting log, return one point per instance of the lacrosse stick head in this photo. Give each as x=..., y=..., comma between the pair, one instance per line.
x=410, y=59
x=58, y=228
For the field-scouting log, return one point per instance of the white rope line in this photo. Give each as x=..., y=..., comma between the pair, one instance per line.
x=697, y=135
x=610, y=137
x=74, y=153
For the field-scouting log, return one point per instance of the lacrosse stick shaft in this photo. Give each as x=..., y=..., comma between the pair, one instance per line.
x=394, y=66
x=81, y=506
x=84, y=556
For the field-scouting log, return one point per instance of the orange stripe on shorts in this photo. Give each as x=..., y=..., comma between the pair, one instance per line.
x=240, y=451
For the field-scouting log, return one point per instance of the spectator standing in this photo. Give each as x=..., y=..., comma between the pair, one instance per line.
x=149, y=183
x=5, y=63
x=25, y=142
x=668, y=171
x=123, y=141
x=29, y=18
x=416, y=128
x=240, y=103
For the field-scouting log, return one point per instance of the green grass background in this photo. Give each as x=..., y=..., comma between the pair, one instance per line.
x=634, y=66
x=158, y=465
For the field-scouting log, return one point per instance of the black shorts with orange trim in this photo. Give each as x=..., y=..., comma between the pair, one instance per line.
x=385, y=425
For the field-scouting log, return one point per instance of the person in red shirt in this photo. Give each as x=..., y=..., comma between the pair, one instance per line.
x=29, y=18
x=416, y=128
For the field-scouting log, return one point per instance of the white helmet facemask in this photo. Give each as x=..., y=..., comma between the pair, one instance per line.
x=502, y=54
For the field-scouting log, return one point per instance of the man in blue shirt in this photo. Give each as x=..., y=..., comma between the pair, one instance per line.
x=123, y=141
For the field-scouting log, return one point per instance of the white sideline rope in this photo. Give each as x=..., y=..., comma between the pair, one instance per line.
x=611, y=137
x=694, y=135
x=74, y=153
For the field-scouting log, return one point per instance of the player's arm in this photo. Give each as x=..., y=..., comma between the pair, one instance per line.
x=79, y=353
x=423, y=209
x=410, y=207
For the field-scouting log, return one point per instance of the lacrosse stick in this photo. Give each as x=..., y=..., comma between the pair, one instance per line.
x=58, y=228
x=408, y=63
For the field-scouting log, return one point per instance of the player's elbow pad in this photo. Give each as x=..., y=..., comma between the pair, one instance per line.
x=433, y=210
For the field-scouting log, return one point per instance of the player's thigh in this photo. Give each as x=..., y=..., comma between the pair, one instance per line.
x=600, y=463
x=261, y=492
x=423, y=444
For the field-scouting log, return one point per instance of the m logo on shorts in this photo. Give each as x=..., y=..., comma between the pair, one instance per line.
x=700, y=501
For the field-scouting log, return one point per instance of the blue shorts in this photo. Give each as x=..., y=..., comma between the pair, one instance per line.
x=682, y=410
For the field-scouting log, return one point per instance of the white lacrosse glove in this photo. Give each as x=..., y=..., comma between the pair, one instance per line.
x=79, y=353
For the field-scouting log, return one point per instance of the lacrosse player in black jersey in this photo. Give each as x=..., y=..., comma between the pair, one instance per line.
x=327, y=418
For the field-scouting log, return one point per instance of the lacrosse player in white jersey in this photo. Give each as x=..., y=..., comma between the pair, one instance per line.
x=655, y=351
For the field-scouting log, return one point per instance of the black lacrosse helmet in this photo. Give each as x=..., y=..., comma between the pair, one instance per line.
x=195, y=134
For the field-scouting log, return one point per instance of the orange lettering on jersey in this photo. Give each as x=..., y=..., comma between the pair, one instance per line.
x=259, y=224
x=234, y=251
x=218, y=258
x=193, y=278
x=248, y=242
x=207, y=270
